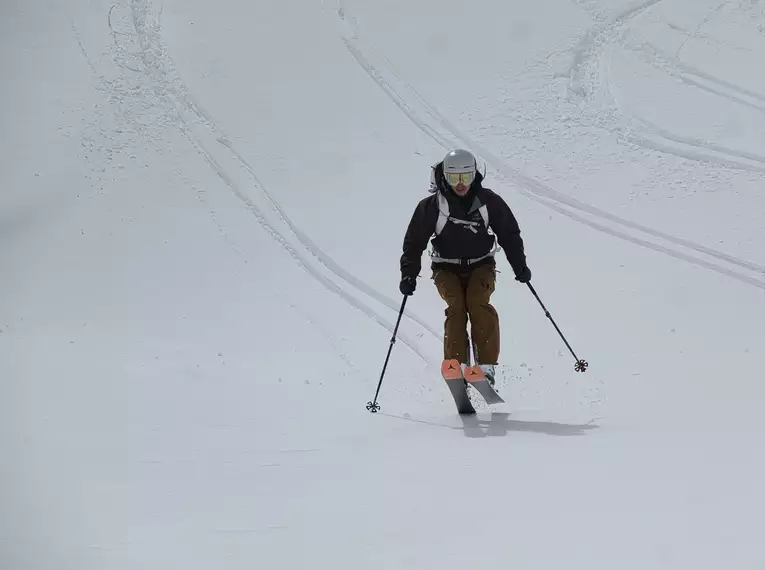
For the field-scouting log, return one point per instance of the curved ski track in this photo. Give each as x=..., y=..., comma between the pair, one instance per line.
x=441, y=130
x=172, y=93
x=591, y=58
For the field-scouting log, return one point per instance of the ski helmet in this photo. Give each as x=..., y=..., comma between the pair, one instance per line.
x=459, y=166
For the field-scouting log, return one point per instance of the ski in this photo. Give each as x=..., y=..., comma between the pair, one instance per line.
x=476, y=378
x=452, y=373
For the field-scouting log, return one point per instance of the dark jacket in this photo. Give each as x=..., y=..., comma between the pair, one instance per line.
x=455, y=241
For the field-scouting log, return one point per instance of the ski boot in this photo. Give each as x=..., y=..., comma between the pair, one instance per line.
x=488, y=371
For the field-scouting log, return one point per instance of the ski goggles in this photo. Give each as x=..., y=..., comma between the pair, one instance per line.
x=454, y=178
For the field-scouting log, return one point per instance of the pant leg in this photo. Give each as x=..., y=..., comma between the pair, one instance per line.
x=452, y=290
x=484, y=320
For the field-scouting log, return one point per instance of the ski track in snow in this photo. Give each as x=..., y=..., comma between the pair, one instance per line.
x=691, y=75
x=589, y=45
x=446, y=134
x=323, y=257
x=171, y=95
x=593, y=54
x=167, y=96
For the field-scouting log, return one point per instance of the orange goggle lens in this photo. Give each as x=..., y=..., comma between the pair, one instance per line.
x=454, y=178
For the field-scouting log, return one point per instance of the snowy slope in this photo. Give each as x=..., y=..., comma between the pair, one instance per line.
x=201, y=216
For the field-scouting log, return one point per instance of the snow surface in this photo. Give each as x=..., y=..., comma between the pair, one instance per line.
x=201, y=218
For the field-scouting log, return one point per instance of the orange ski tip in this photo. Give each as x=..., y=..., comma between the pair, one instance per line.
x=450, y=369
x=474, y=374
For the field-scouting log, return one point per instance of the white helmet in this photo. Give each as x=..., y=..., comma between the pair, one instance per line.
x=459, y=166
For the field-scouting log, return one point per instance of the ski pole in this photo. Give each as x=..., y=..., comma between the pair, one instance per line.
x=581, y=365
x=373, y=406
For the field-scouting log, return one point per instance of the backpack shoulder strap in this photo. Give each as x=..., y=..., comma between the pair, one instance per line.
x=484, y=211
x=443, y=212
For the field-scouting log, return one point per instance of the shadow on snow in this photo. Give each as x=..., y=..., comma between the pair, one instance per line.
x=500, y=425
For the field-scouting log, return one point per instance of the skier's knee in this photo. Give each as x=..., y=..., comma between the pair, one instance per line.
x=457, y=313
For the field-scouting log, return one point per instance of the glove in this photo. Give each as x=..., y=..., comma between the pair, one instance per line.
x=408, y=285
x=524, y=275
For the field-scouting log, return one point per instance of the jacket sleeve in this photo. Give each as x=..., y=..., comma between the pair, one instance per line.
x=505, y=227
x=421, y=227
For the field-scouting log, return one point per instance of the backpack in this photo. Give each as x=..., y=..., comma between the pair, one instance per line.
x=443, y=207
x=443, y=216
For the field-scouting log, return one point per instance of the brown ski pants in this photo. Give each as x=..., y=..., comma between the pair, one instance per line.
x=467, y=297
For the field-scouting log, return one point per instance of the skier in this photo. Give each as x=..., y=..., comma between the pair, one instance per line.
x=468, y=221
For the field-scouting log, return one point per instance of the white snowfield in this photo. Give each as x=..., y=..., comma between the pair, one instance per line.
x=202, y=206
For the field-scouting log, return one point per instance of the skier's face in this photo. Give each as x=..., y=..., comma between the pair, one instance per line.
x=460, y=189
x=460, y=182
